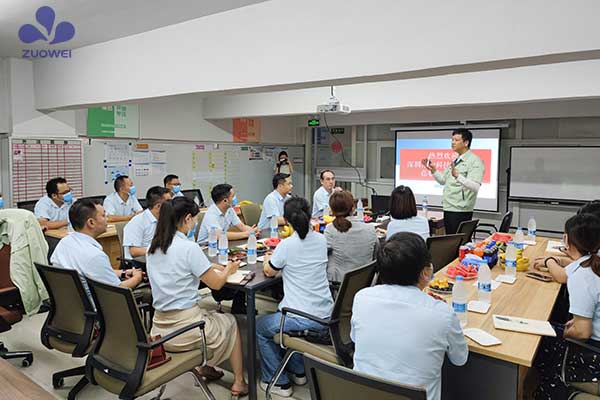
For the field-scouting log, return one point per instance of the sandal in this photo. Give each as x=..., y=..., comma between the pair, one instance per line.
x=208, y=373
x=238, y=394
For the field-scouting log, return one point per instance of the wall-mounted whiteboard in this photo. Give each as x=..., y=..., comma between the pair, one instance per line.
x=570, y=174
x=249, y=168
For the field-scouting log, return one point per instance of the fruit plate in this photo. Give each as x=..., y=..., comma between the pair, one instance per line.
x=447, y=290
x=272, y=242
x=502, y=237
x=453, y=272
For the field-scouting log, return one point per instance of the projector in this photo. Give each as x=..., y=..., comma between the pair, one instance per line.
x=334, y=107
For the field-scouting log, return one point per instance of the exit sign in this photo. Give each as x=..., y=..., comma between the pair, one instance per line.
x=314, y=122
x=337, y=131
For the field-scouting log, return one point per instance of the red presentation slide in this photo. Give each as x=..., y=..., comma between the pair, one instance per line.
x=412, y=169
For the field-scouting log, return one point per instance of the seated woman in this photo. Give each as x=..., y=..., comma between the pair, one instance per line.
x=302, y=260
x=582, y=242
x=403, y=210
x=175, y=267
x=401, y=333
x=351, y=242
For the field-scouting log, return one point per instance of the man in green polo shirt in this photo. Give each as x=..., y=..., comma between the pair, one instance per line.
x=461, y=180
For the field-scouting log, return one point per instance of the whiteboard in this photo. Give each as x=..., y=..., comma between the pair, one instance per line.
x=198, y=165
x=555, y=173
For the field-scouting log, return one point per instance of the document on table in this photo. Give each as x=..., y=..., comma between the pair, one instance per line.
x=517, y=324
x=237, y=277
x=553, y=247
x=481, y=336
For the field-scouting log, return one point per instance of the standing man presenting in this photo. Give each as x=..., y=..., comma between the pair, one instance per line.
x=461, y=180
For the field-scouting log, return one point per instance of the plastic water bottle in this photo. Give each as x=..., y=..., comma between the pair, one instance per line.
x=519, y=239
x=69, y=227
x=531, y=229
x=459, y=300
x=274, y=225
x=511, y=259
x=223, y=248
x=212, y=241
x=425, y=206
x=251, y=248
x=360, y=210
x=484, y=283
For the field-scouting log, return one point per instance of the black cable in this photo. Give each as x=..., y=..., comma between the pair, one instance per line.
x=360, y=182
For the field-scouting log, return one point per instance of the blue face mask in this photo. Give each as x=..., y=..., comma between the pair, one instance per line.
x=234, y=202
x=132, y=190
x=1, y=202
x=68, y=197
x=192, y=232
x=176, y=189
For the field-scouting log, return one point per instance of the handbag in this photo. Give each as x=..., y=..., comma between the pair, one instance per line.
x=157, y=356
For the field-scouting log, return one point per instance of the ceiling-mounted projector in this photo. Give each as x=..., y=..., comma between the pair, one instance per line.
x=334, y=107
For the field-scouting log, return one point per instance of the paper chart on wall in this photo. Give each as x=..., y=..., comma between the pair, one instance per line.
x=141, y=170
x=158, y=156
x=141, y=157
x=117, y=154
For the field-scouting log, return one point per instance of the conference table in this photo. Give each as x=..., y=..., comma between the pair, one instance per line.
x=15, y=385
x=498, y=372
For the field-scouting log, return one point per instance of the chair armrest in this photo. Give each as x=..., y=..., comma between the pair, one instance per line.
x=286, y=310
x=162, y=340
x=584, y=345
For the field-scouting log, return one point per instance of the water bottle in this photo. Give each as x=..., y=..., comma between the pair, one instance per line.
x=459, y=300
x=69, y=227
x=223, y=247
x=425, y=206
x=274, y=225
x=212, y=241
x=519, y=239
x=511, y=259
x=251, y=248
x=484, y=283
x=531, y=228
x=360, y=210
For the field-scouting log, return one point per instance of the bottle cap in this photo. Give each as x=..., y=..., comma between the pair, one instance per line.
x=459, y=278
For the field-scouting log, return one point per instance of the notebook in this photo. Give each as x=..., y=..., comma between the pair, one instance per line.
x=553, y=247
x=524, y=325
x=237, y=277
x=482, y=337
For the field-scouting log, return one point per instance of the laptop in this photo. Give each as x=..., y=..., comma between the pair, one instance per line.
x=380, y=205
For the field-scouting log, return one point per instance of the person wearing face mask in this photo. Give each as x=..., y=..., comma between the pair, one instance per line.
x=173, y=183
x=1, y=202
x=398, y=308
x=321, y=196
x=283, y=164
x=52, y=210
x=221, y=215
x=122, y=205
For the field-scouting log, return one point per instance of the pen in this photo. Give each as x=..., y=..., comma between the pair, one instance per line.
x=511, y=320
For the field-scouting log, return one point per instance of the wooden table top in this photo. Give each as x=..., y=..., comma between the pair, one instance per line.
x=15, y=385
x=527, y=298
x=61, y=233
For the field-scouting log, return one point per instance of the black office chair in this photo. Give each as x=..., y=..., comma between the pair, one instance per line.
x=27, y=205
x=489, y=229
x=467, y=228
x=143, y=203
x=97, y=199
x=443, y=249
x=192, y=194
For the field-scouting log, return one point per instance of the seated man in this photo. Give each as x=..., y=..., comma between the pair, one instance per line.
x=273, y=203
x=80, y=250
x=221, y=215
x=173, y=183
x=52, y=210
x=401, y=333
x=138, y=232
x=121, y=205
x=322, y=194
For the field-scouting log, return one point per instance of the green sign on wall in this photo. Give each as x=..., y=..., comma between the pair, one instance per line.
x=113, y=121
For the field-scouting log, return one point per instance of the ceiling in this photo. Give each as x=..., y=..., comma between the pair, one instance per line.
x=100, y=21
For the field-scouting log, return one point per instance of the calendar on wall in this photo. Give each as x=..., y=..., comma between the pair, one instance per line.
x=35, y=161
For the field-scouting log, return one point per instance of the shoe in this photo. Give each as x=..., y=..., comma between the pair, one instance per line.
x=298, y=379
x=282, y=391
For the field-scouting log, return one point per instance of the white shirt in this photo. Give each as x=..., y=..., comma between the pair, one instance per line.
x=584, y=293
x=46, y=208
x=272, y=206
x=402, y=334
x=114, y=205
x=320, y=202
x=175, y=275
x=418, y=225
x=304, y=265
x=214, y=217
x=139, y=231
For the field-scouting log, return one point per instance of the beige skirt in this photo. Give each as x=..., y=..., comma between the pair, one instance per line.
x=220, y=329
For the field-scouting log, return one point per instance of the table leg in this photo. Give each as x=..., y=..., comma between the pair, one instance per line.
x=251, y=339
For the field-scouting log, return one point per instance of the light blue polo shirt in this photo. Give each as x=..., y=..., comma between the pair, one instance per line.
x=46, y=208
x=304, y=270
x=84, y=254
x=402, y=334
x=114, y=205
x=139, y=231
x=584, y=293
x=320, y=202
x=175, y=275
x=417, y=224
x=272, y=206
x=214, y=217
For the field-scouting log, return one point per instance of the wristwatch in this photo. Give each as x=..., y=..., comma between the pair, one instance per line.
x=123, y=274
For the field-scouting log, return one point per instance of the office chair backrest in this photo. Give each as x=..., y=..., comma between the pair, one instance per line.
x=143, y=203
x=119, y=227
x=443, y=249
x=467, y=228
x=251, y=213
x=98, y=199
x=27, y=205
x=329, y=381
x=69, y=325
x=506, y=221
x=200, y=219
x=353, y=281
x=116, y=356
x=192, y=194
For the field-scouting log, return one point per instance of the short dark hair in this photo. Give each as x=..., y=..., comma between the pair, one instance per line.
x=81, y=211
x=169, y=178
x=465, y=133
x=402, y=258
x=402, y=203
x=220, y=192
x=52, y=185
x=323, y=173
x=154, y=195
x=593, y=207
x=279, y=178
x=282, y=153
x=119, y=182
